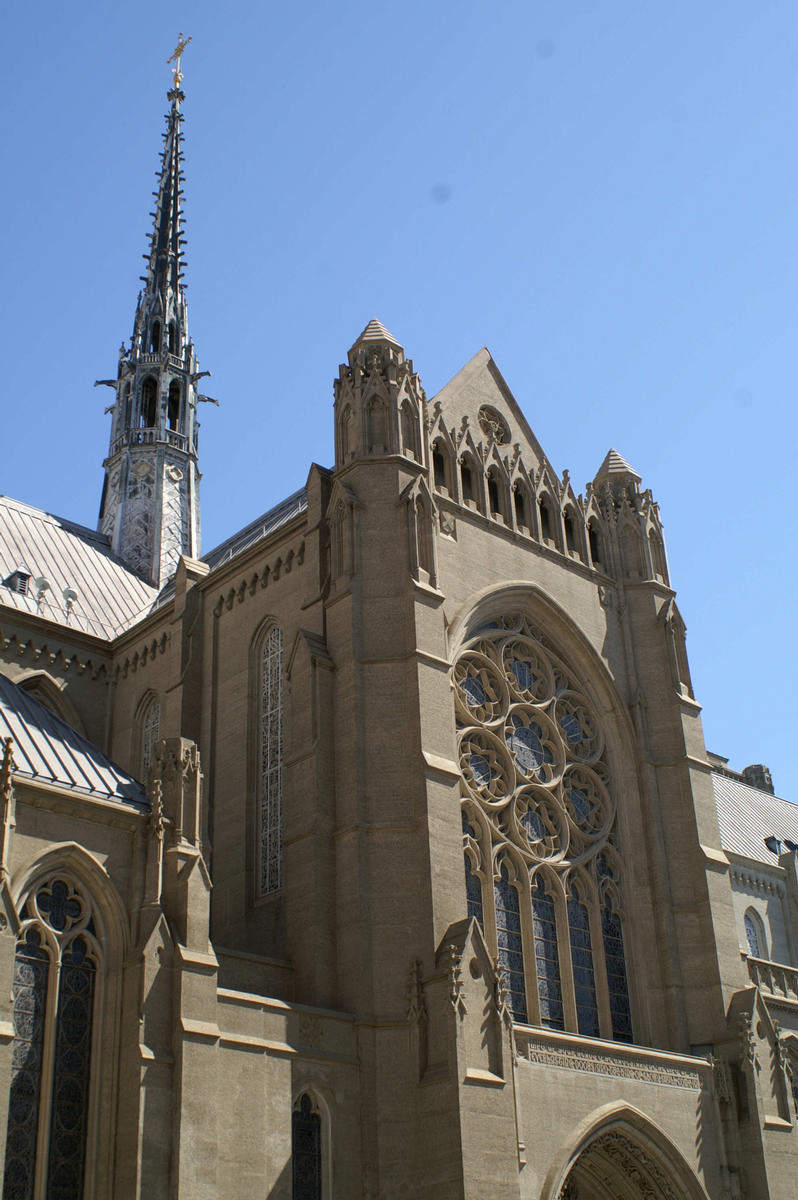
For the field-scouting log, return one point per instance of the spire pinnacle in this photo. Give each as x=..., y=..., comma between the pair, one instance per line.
x=177, y=94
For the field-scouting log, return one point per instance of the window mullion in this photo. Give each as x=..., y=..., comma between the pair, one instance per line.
x=48, y=1068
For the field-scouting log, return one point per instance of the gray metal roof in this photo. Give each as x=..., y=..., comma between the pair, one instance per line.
x=48, y=750
x=281, y=514
x=747, y=815
x=110, y=597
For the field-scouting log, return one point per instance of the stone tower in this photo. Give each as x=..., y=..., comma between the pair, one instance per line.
x=150, y=501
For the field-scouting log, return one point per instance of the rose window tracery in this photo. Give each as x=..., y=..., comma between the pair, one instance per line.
x=538, y=798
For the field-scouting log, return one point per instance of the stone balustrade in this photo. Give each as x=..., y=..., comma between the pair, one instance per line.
x=773, y=979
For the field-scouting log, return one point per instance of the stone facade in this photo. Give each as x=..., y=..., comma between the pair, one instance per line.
x=428, y=897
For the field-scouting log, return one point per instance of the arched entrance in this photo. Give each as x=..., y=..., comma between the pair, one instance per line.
x=615, y=1166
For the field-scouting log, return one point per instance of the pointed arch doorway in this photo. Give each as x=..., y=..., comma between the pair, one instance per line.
x=616, y=1166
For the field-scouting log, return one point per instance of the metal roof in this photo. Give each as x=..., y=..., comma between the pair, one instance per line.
x=47, y=750
x=747, y=815
x=110, y=597
x=281, y=514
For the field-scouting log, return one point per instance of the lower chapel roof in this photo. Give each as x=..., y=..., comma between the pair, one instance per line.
x=89, y=589
x=47, y=750
x=35, y=545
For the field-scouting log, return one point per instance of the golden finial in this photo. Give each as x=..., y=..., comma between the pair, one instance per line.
x=176, y=56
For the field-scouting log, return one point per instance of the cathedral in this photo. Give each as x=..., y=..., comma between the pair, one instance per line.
x=377, y=853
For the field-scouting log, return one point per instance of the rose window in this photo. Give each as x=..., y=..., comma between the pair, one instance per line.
x=539, y=802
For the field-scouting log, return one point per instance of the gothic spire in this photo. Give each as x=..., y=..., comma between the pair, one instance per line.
x=150, y=503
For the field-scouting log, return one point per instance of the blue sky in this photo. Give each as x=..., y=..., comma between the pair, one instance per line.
x=603, y=193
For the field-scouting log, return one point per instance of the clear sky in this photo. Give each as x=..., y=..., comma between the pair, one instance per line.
x=602, y=192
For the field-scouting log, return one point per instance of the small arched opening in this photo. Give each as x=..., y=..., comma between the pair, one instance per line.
x=155, y=337
x=173, y=406
x=596, y=543
x=149, y=402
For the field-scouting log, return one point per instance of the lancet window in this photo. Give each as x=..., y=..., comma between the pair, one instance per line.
x=150, y=732
x=270, y=764
x=306, y=1151
x=56, y=970
x=542, y=865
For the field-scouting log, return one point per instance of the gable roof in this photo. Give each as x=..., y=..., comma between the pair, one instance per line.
x=110, y=597
x=47, y=750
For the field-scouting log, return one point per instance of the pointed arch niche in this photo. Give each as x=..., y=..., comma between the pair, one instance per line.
x=624, y=1156
x=543, y=865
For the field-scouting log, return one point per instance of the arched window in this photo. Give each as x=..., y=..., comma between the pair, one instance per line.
x=658, y=556
x=521, y=502
x=497, y=495
x=546, y=522
x=155, y=338
x=755, y=934
x=345, y=428
x=409, y=423
x=149, y=733
x=149, y=403
x=440, y=473
x=270, y=764
x=570, y=532
x=306, y=1157
x=511, y=952
x=538, y=801
x=55, y=971
x=596, y=543
x=468, y=483
x=173, y=406
x=172, y=338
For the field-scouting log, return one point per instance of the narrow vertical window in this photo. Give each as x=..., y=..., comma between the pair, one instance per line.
x=754, y=934
x=55, y=968
x=473, y=886
x=466, y=481
x=511, y=953
x=617, y=985
x=271, y=763
x=547, y=959
x=305, y=1151
x=587, y=1021
x=438, y=466
x=71, y=1072
x=545, y=521
x=31, y=970
x=150, y=726
x=594, y=538
x=173, y=411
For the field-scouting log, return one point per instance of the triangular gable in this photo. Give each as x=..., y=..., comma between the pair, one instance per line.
x=481, y=383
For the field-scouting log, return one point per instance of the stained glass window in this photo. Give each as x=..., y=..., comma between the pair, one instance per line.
x=52, y=1045
x=473, y=886
x=511, y=951
x=587, y=1021
x=535, y=777
x=547, y=958
x=150, y=732
x=271, y=763
x=306, y=1151
x=31, y=971
x=752, y=933
x=620, y=1011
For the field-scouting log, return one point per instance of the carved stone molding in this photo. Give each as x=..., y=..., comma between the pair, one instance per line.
x=569, y=1058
